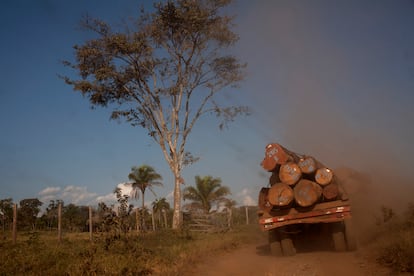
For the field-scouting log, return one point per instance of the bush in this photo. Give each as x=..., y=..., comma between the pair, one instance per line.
x=159, y=253
x=396, y=249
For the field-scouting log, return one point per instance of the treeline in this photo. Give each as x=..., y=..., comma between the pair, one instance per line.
x=75, y=218
x=122, y=217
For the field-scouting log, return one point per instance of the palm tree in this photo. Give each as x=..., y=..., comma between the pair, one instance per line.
x=161, y=206
x=143, y=177
x=208, y=191
x=229, y=204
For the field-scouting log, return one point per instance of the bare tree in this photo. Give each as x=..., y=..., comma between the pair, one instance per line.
x=163, y=72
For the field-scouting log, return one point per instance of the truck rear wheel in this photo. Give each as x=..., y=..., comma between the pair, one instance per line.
x=338, y=236
x=287, y=244
x=350, y=237
x=274, y=243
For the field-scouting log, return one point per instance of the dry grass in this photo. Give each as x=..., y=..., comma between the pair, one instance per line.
x=395, y=240
x=161, y=253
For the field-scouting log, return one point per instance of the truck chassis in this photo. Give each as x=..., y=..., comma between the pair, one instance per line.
x=283, y=223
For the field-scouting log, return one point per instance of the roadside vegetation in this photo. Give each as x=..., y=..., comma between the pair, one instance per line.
x=165, y=252
x=124, y=241
x=394, y=239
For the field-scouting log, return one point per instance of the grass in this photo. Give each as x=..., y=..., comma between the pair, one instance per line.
x=160, y=253
x=395, y=240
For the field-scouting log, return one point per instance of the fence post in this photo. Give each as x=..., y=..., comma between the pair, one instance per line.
x=90, y=224
x=60, y=222
x=137, y=219
x=153, y=220
x=247, y=214
x=14, y=233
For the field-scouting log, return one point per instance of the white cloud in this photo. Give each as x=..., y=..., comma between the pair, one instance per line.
x=245, y=196
x=78, y=195
x=81, y=196
x=125, y=188
x=69, y=194
x=49, y=191
x=109, y=198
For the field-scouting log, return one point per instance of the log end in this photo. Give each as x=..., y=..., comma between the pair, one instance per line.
x=290, y=173
x=307, y=164
x=323, y=176
x=274, y=154
x=280, y=194
x=307, y=193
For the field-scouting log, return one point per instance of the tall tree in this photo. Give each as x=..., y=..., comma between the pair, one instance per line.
x=124, y=210
x=6, y=211
x=163, y=72
x=208, y=191
x=161, y=206
x=143, y=177
x=51, y=214
x=74, y=217
x=28, y=211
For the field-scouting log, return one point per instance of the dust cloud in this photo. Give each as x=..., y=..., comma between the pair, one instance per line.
x=324, y=85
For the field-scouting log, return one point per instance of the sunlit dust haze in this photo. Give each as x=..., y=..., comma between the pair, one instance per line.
x=335, y=80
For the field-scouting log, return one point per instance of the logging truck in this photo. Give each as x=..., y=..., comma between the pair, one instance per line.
x=303, y=202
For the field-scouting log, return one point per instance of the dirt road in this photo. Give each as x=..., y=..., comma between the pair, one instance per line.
x=256, y=260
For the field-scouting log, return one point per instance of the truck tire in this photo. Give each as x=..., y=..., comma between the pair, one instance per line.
x=287, y=244
x=274, y=243
x=338, y=237
x=350, y=237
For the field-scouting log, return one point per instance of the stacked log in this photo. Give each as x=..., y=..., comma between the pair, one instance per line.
x=296, y=180
x=280, y=194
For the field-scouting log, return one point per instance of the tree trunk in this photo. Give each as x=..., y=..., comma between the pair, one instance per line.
x=142, y=213
x=60, y=222
x=307, y=193
x=280, y=194
x=165, y=218
x=137, y=218
x=177, y=203
x=14, y=232
x=90, y=224
x=290, y=173
x=229, y=217
x=153, y=221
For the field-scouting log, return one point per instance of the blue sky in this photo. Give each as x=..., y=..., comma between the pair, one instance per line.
x=333, y=79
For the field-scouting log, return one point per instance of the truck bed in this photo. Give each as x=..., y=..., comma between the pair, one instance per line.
x=326, y=212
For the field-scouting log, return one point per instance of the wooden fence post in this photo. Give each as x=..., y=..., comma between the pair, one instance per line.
x=14, y=233
x=60, y=222
x=247, y=214
x=90, y=224
x=137, y=219
x=164, y=213
x=153, y=220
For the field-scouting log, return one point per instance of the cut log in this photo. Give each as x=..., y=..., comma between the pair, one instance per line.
x=330, y=191
x=307, y=164
x=292, y=156
x=307, y=193
x=323, y=176
x=264, y=203
x=289, y=173
x=280, y=194
x=274, y=154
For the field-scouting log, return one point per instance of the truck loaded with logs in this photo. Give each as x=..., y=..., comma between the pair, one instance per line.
x=303, y=197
